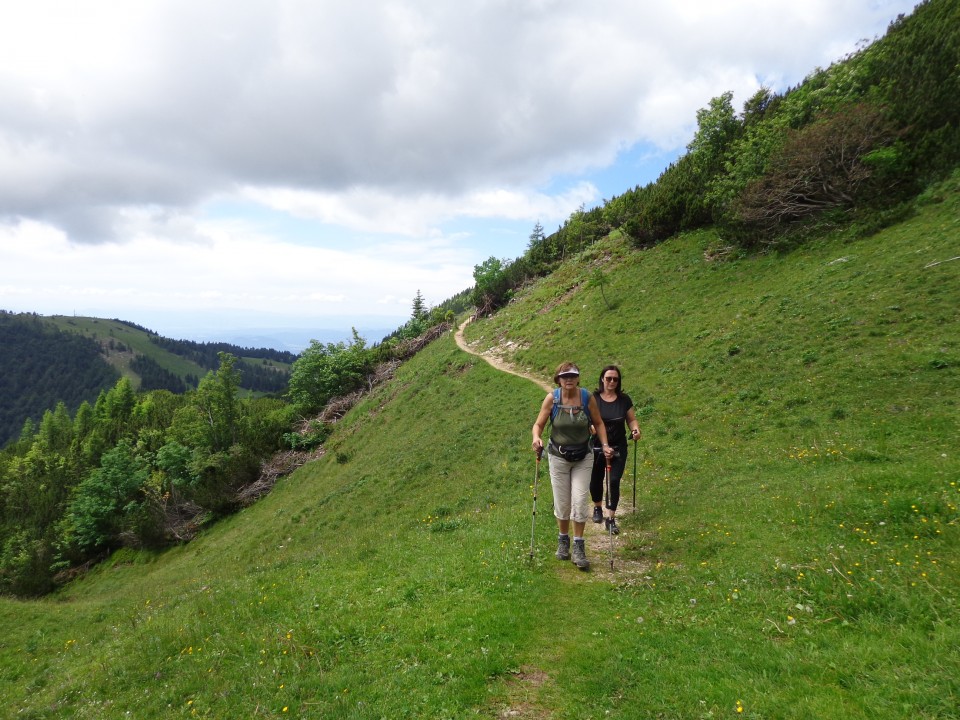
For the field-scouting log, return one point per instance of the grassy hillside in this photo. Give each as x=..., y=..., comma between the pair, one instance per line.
x=133, y=341
x=129, y=341
x=793, y=552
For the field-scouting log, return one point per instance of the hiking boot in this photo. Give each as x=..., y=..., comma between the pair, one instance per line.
x=597, y=514
x=563, y=547
x=580, y=555
x=612, y=527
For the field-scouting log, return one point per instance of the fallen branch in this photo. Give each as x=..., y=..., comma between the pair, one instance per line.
x=282, y=463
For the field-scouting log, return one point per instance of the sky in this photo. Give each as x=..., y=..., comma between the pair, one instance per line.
x=278, y=170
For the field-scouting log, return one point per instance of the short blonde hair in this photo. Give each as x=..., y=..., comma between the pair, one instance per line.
x=564, y=367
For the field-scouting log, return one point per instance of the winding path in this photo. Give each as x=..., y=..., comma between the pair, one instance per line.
x=495, y=361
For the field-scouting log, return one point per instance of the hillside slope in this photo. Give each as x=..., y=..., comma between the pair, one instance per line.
x=40, y=367
x=124, y=343
x=48, y=359
x=793, y=553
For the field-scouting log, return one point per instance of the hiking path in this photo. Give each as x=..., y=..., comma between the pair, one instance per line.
x=598, y=553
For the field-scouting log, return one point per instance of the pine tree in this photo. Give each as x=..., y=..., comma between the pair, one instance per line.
x=419, y=307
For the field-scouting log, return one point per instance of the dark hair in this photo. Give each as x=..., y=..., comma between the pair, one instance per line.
x=619, y=379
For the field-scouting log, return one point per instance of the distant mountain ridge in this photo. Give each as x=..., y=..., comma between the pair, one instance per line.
x=45, y=360
x=295, y=339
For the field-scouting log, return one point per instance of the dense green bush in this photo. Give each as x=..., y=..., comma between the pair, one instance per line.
x=106, y=502
x=325, y=370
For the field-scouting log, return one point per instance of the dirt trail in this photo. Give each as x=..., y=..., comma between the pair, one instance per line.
x=495, y=361
x=597, y=552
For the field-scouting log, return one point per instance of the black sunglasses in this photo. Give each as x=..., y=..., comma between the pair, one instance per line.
x=612, y=379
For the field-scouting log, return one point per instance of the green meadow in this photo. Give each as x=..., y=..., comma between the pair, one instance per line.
x=792, y=553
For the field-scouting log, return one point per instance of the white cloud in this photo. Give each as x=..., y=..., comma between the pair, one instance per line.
x=125, y=123
x=379, y=211
x=226, y=272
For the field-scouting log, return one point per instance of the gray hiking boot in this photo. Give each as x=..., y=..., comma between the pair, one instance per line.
x=580, y=555
x=563, y=547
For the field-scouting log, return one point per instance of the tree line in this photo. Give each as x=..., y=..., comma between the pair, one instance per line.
x=41, y=366
x=851, y=146
x=207, y=354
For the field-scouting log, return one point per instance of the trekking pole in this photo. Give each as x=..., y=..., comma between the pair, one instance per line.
x=634, y=475
x=533, y=521
x=606, y=478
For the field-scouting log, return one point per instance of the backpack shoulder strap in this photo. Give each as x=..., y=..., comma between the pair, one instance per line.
x=584, y=401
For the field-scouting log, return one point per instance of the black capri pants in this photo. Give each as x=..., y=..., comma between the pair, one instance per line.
x=618, y=464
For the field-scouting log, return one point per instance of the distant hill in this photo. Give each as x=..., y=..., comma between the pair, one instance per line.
x=41, y=366
x=46, y=360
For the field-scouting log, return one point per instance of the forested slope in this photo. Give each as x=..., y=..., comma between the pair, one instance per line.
x=41, y=366
x=47, y=360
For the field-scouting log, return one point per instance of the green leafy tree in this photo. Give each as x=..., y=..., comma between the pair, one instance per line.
x=538, y=249
x=56, y=430
x=537, y=235
x=173, y=459
x=419, y=320
x=717, y=127
x=111, y=421
x=324, y=371
x=265, y=422
x=106, y=502
x=491, y=286
x=83, y=423
x=118, y=408
x=216, y=399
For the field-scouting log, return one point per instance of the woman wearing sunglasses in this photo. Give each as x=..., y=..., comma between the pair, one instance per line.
x=616, y=409
x=570, y=410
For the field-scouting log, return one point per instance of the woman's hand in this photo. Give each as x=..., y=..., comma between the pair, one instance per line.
x=607, y=452
x=635, y=433
x=537, y=445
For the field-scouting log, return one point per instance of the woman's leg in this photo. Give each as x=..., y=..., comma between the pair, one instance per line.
x=579, y=508
x=560, y=483
x=580, y=479
x=596, y=486
x=617, y=466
